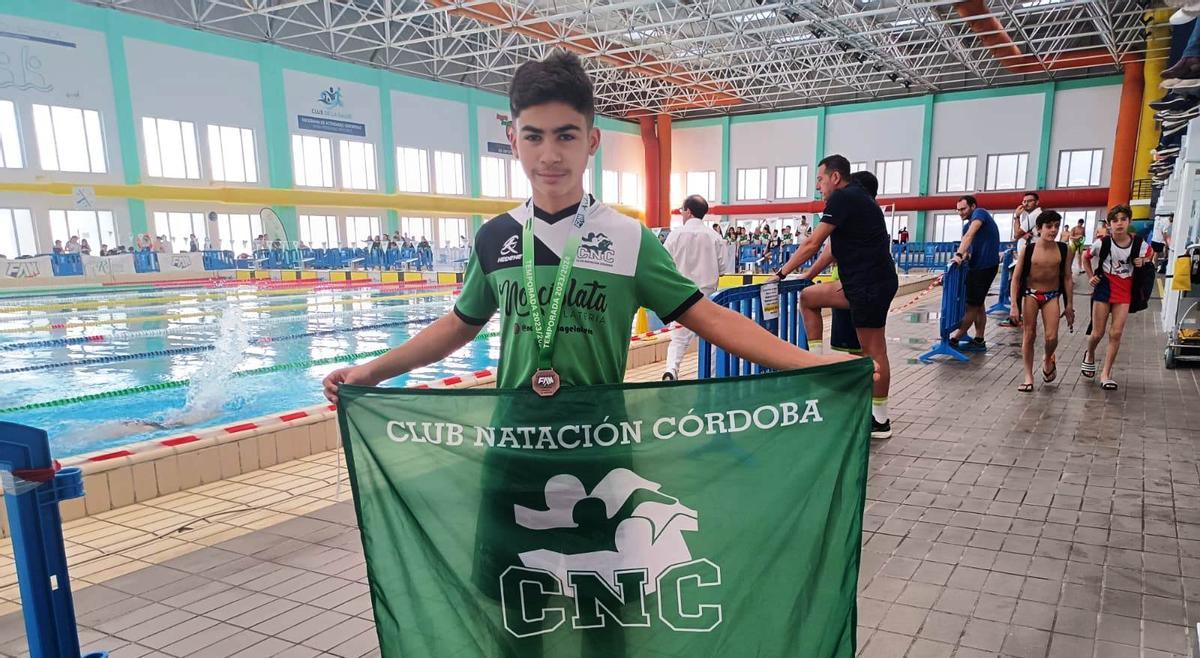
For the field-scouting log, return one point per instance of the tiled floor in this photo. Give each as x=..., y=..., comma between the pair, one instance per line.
x=1060, y=523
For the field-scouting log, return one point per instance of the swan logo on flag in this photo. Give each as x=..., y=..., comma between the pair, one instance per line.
x=643, y=527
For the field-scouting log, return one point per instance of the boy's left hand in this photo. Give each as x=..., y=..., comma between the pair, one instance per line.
x=838, y=357
x=1138, y=262
x=1069, y=314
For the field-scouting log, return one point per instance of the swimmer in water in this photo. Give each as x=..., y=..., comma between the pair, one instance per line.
x=148, y=425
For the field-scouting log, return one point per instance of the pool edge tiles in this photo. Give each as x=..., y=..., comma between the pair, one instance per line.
x=137, y=472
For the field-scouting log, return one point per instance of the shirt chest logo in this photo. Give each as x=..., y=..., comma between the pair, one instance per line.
x=510, y=250
x=596, y=248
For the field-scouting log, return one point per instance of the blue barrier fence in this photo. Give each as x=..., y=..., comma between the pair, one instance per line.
x=408, y=258
x=747, y=300
x=37, y=541
x=66, y=264
x=954, y=307
x=218, y=260
x=1002, y=305
x=145, y=261
x=928, y=255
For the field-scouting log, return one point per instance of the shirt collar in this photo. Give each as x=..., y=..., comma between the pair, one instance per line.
x=569, y=211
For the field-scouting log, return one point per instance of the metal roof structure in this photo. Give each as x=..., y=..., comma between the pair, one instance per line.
x=695, y=58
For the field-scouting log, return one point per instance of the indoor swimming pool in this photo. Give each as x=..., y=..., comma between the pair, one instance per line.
x=103, y=369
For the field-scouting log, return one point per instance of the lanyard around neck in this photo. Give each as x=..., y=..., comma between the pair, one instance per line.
x=545, y=326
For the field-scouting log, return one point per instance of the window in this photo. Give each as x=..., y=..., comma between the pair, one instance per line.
x=69, y=139
x=631, y=190
x=677, y=188
x=412, y=168
x=587, y=181
x=312, y=161
x=10, y=139
x=1004, y=224
x=1080, y=168
x=519, y=183
x=895, y=176
x=611, y=186
x=319, y=231
x=858, y=166
x=491, y=177
x=95, y=226
x=956, y=174
x=178, y=227
x=1089, y=217
x=231, y=154
x=170, y=148
x=791, y=182
x=238, y=231
x=947, y=227
x=1006, y=172
x=361, y=229
x=751, y=184
x=416, y=228
x=453, y=231
x=358, y=164
x=448, y=172
x=703, y=183
x=16, y=233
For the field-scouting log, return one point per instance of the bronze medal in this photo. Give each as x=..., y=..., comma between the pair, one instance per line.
x=545, y=382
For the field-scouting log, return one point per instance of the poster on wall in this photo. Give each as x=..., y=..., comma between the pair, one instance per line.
x=53, y=63
x=327, y=105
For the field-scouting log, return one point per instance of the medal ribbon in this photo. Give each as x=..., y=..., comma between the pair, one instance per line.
x=545, y=328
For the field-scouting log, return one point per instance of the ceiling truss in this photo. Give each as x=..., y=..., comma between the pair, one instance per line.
x=688, y=58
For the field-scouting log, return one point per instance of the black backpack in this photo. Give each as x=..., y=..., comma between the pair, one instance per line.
x=1143, y=277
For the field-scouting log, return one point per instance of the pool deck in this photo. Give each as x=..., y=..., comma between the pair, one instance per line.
x=1063, y=523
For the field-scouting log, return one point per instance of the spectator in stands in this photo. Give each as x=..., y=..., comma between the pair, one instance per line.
x=58, y=248
x=980, y=252
x=700, y=256
x=786, y=236
x=73, y=245
x=193, y=243
x=903, y=235
x=85, y=248
x=103, y=249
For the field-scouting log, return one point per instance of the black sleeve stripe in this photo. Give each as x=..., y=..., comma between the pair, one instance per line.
x=682, y=308
x=475, y=322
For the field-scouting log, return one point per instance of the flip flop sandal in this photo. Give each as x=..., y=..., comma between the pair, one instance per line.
x=1108, y=385
x=1087, y=369
x=1052, y=375
x=1025, y=388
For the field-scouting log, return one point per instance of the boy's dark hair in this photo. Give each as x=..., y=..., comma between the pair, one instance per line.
x=560, y=77
x=1119, y=209
x=836, y=163
x=969, y=199
x=868, y=182
x=696, y=205
x=1032, y=194
x=1048, y=217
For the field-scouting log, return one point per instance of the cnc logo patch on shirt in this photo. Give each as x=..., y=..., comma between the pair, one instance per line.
x=596, y=249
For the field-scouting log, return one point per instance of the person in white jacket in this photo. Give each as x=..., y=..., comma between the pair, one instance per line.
x=699, y=255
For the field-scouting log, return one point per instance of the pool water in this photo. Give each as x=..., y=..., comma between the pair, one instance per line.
x=199, y=343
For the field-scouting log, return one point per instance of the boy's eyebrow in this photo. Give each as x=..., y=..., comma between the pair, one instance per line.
x=565, y=128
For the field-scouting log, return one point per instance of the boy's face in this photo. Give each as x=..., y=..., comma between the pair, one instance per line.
x=1049, y=231
x=553, y=141
x=1119, y=223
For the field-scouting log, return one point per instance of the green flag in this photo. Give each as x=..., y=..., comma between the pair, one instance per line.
x=714, y=518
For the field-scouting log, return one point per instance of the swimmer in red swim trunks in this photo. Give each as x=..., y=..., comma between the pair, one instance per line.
x=1042, y=285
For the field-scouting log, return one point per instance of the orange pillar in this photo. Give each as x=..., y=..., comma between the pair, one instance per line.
x=666, y=203
x=1125, y=146
x=650, y=151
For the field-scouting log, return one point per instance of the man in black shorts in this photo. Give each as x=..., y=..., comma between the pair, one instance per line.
x=860, y=244
x=980, y=250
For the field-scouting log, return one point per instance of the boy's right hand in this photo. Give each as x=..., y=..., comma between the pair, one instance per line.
x=351, y=375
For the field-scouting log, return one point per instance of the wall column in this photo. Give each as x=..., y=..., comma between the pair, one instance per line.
x=131, y=165
x=275, y=124
x=650, y=150
x=666, y=203
x=1120, y=181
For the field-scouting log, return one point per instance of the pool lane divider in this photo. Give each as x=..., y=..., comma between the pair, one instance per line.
x=192, y=349
x=180, y=383
x=204, y=314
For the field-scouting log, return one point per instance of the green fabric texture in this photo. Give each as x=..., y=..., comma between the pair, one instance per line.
x=713, y=518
